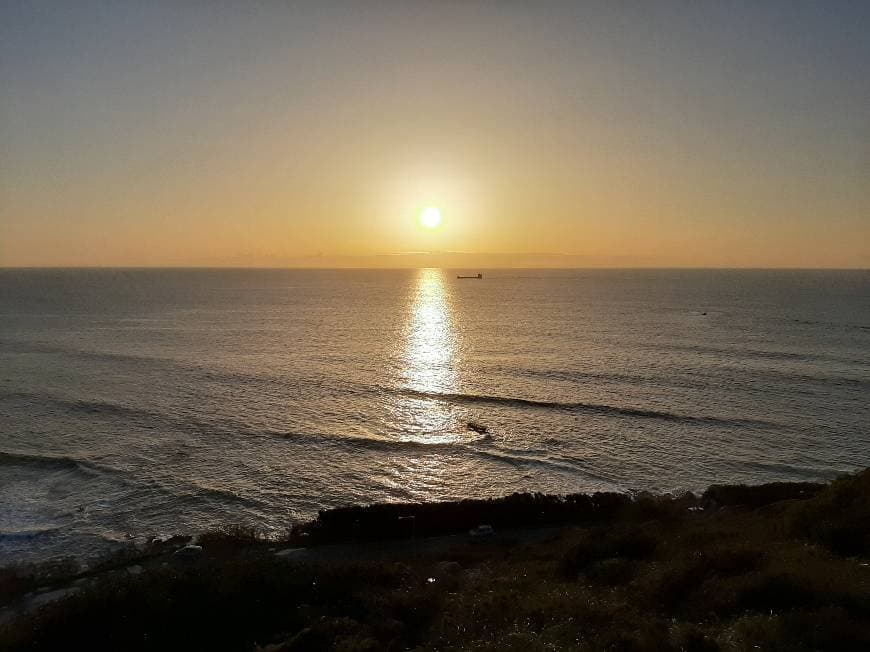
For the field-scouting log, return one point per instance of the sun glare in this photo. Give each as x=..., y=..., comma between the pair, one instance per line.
x=430, y=217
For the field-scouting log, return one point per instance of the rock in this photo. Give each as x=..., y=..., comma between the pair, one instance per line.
x=135, y=569
x=190, y=551
x=289, y=552
x=51, y=596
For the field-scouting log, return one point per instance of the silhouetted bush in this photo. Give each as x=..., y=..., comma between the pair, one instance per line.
x=404, y=520
x=839, y=518
x=688, y=572
x=228, y=605
x=228, y=539
x=602, y=544
x=722, y=495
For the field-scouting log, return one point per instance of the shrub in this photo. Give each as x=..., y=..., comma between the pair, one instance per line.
x=601, y=544
x=731, y=495
x=839, y=517
x=229, y=539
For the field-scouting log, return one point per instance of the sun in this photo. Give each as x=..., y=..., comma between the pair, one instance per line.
x=430, y=217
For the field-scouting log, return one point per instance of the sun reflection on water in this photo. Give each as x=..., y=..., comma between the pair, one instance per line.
x=430, y=340
x=429, y=362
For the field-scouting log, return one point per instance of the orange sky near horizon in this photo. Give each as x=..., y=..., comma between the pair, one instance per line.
x=313, y=136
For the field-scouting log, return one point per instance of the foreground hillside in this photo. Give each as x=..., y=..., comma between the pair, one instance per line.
x=775, y=567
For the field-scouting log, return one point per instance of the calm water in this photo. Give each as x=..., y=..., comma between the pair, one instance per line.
x=141, y=403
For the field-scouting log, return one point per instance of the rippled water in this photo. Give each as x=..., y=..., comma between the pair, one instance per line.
x=141, y=403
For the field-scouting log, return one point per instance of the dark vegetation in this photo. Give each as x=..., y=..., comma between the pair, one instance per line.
x=390, y=521
x=775, y=567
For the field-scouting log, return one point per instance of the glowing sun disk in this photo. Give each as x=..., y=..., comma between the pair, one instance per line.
x=430, y=217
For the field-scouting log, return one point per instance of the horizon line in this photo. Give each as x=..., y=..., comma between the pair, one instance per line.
x=373, y=268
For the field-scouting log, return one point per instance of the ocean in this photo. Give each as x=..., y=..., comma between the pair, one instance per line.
x=143, y=403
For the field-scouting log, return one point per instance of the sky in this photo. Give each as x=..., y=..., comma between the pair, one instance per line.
x=578, y=134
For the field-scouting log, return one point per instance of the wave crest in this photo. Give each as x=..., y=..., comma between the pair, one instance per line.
x=589, y=408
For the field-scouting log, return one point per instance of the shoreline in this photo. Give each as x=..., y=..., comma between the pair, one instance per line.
x=587, y=542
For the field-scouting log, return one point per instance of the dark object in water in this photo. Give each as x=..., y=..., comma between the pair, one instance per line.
x=476, y=427
x=478, y=276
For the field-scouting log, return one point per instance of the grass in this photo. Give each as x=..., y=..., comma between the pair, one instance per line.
x=777, y=567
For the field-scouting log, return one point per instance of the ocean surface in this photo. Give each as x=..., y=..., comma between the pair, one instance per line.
x=141, y=403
